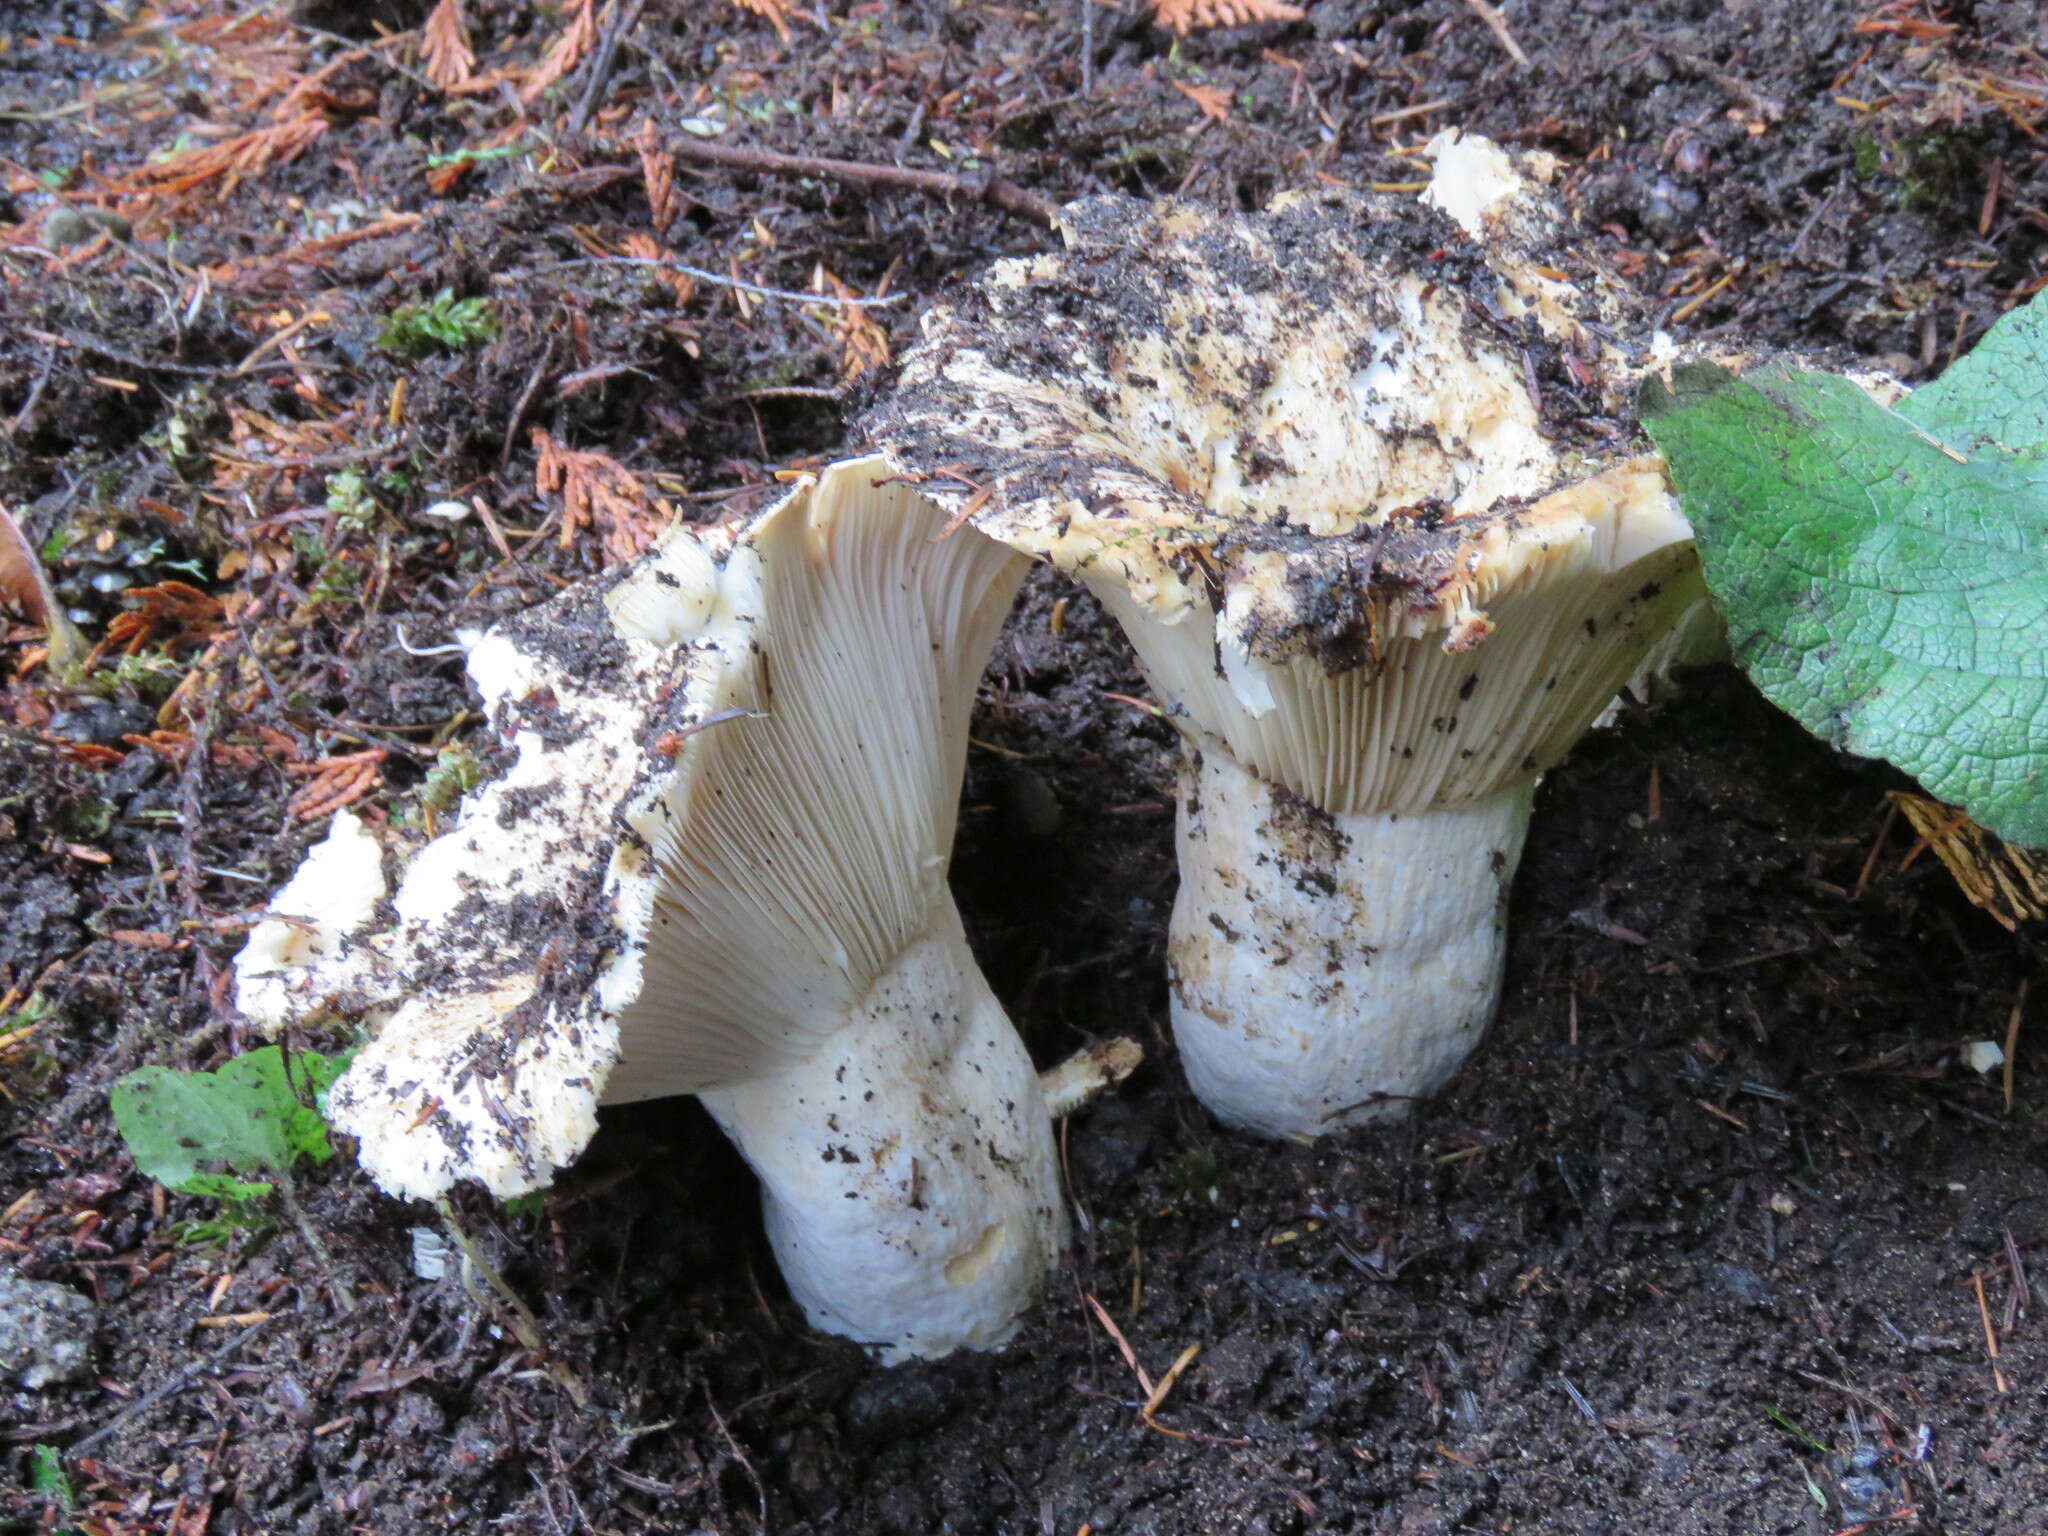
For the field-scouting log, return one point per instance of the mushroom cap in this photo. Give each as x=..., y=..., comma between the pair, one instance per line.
x=1304, y=437
x=1482, y=677
x=798, y=851
x=494, y=1001
x=1181, y=390
x=729, y=796
x=331, y=897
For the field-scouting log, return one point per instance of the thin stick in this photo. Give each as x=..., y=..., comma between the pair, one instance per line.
x=999, y=190
x=1869, y=1399
x=1990, y=1333
x=1579, y=1402
x=720, y=280
x=601, y=65
x=790, y=392
x=288, y=1196
x=2012, y=1039
x=1499, y=25
x=740, y=1456
x=1165, y=1386
x=1123, y=1344
x=1891, y=813
x=2022, y=1298
x=525, y=1326
x=177, y=1383
x=1714, y=290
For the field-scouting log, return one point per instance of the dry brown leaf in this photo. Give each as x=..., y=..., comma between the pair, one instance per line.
x=1212, y=99
x=597, y=491
x=444, y=46
x=175, y=746
x=174, y=614
x=1186, y=16
x=579, y=36
x=249, y=54
x=863, y=344
x=334, y=782
x=216, y=678
x=25, y=589
x=2010, y=883
x=229, y=161
x=658, y=174
x=775, y=12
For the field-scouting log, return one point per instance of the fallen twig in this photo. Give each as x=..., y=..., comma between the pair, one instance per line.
x=790, y=392
x=720, y=280
x=245, y=277
x=601, y=63
x=1165, y=1386
x=112, y=353
x=1155, y=1392
x=181, y=1379
x=1123, y=1345
x=514, y=1311
x=1990, y=1333
x=1498, y=25
x=2012, y=1051
x=998, y=190
x=1769, y=108
x=344, y=1302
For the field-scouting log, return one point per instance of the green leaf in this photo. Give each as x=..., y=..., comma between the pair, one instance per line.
x=532, y=1203
x=1997, y=397
x=1784, y=1420
x=248, y=1117
x=46, y=1476
x=444, y=321
x=1888, y=591
x=471, y=156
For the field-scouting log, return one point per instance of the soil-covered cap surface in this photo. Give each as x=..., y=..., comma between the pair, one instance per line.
x=331, y=331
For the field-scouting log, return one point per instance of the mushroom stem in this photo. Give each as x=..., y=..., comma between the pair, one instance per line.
x=907, y=1170
x=1328, y=968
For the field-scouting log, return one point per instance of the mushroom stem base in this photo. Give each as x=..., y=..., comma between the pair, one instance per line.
x=1329, y=970
x=907, y=1170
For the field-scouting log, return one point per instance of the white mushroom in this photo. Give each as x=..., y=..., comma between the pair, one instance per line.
x=718, y=865
x=331, y=897
x=1353, y=478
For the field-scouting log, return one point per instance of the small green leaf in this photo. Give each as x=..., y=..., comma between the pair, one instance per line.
x=1784, y=1421
x=249, y=1117
x=471, y=156
x=443, y=322
x=46, y=1476
x=1887, y=589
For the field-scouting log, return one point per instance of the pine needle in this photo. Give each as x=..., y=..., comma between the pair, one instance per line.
x=444, y=47
x=775, y=12
x=1185, y=16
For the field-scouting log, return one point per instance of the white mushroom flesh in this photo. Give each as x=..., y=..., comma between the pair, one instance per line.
x=805, y=968
x=1329, y=969
x=716, y=863
x=1353, y=476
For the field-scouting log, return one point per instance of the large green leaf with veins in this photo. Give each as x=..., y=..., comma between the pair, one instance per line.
x=1884, y=574
x=1995, y=399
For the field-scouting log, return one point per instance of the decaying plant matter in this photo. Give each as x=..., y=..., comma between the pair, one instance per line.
x=1185, y=16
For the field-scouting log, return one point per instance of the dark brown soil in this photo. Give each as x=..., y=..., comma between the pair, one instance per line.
x=1715, y=1233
